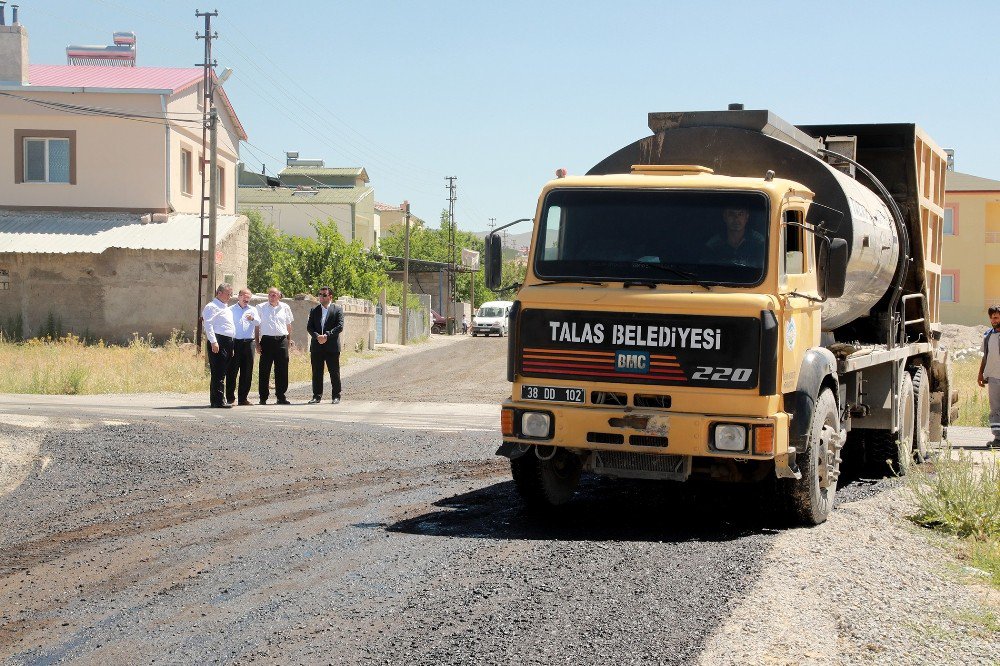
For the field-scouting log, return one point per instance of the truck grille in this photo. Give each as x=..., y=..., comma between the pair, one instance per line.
x=640, y=465
x=647, y=440
x=605, y=438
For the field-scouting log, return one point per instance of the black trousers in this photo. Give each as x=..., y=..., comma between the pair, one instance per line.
x=332, y=363
x=218, y=365
x=242, y=365
x=273, y=352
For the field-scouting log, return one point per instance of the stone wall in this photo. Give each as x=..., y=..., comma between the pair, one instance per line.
x=113, y=295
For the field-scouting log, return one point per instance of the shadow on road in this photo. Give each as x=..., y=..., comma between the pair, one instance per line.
x=603, y=510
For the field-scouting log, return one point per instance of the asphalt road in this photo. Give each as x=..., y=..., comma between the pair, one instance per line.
x=381, y=530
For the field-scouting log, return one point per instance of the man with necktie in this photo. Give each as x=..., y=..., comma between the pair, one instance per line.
x=326, y=321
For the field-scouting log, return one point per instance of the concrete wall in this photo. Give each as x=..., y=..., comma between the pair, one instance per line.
x=295, y=219
x=115, y=294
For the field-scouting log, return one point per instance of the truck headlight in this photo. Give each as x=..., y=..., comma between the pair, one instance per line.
x=729, y=437
x=535, y=424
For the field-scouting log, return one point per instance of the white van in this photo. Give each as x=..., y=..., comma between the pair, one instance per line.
x=491, y=318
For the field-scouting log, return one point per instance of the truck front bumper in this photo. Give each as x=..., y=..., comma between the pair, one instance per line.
x=648, y=431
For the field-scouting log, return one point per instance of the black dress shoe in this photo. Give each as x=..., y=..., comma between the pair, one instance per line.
x=263, y=401
x=284, y=402
x=231, y=401
x=244, y=403
x=336, y=401
x=224, y=405
x=313, y=401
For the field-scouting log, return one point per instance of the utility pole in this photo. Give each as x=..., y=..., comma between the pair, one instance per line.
x=452, y=286
x=209, y=125
x=406, y=266
x=493, y=223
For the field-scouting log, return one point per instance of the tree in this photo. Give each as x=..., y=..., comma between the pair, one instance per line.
x=432, y=245
x=303, y=265
x=263, y=246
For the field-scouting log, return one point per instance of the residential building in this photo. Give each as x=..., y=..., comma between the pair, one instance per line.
x=100, y=191
x=970, y=275
x=309, y=191
x=391, y=217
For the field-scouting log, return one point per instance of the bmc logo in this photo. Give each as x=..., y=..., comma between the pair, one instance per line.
x=635, y=362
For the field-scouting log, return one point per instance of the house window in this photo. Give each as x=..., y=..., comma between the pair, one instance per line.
x=186, y=171
x=220, y=175
x=949, y=222
x=4, y=279
x=948, y=294
x=45, y=156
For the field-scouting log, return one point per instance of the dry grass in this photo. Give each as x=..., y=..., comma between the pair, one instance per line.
x=68, y=366
x=957, y=495
x=973, y=401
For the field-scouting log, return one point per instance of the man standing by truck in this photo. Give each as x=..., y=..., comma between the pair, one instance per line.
x=989, y=371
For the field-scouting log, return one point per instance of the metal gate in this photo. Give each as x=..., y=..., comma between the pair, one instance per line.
x=379, y=325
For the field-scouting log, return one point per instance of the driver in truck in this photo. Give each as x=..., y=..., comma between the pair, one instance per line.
x=739, y=245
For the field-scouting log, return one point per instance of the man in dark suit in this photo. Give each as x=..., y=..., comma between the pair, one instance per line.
x=326, y=321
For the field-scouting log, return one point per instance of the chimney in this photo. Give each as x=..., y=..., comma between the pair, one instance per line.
x=13, y=51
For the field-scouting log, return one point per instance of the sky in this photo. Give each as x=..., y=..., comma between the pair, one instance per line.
x=502, y=94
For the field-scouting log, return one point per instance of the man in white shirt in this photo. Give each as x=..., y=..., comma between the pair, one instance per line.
x=989, y=371
x=220, y=331
x=247, y=320
x=275, y=330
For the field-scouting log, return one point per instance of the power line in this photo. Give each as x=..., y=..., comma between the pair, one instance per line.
x=97, y=111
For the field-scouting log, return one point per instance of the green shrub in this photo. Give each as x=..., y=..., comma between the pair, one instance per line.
x=955, y=495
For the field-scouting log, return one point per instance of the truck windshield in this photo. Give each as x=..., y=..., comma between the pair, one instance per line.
x=672, y=236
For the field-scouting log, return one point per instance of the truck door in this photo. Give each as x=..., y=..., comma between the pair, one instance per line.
x=800, y=325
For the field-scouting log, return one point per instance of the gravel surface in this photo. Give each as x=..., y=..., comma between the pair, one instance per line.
x=260, y=538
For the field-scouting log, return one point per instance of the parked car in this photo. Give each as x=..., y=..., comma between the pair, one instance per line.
x=438, y=323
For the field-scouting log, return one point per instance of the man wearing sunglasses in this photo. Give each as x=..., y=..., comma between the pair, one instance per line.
x=326, y=321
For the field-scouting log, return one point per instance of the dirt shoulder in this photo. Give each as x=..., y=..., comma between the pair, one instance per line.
x=866, y=587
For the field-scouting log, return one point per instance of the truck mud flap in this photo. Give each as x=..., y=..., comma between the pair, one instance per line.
x=513, y=450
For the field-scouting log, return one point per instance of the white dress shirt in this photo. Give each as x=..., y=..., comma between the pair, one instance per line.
x=245, y=326
x=218, y=320
x=322, y=318
x=275, y=320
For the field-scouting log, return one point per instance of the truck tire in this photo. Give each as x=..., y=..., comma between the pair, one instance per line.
x=921, y=414
x=810, y=498
x=544, y=484
x=889, y=453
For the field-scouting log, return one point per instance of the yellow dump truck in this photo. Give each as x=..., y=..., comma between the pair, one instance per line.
x=733, y=298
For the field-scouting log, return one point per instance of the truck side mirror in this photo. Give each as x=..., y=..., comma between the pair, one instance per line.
x=492, y=266
x=835, y=275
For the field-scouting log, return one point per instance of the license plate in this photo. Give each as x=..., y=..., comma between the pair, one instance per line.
x=552, y=393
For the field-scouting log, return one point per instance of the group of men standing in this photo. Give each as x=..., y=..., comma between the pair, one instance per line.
x=235, y=332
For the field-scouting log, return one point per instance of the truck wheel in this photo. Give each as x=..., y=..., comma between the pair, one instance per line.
x=810, y=498
x=546, y=483
x=921, y=414
x=890, y=453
